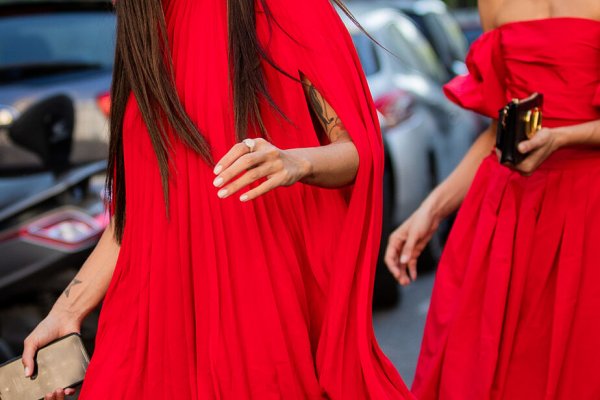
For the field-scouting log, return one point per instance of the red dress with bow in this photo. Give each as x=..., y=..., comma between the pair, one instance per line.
x=269, y=299
x=515, y=311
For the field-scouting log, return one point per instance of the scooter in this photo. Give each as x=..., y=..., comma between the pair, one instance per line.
x=52, y=214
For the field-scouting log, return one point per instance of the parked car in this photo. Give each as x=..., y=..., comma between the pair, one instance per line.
x=439, y=27
x=55, y=71
x=418, y=155
x=49, y=48
x=406, y=126
x=470, y=23
x=408, y=61
x=424, y=134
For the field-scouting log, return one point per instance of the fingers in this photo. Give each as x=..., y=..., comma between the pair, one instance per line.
x=246, y=179
x=537, y=141
x=407, y=251
x=261, y=189
x=412, y=269
x=59, y=394
x=232, y=155
x=30, y=347
x=264, y=162
x=393, y=257
x=392, y=252
x=407, y=261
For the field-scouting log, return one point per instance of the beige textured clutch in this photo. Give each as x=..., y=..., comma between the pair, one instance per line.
x=60, y=364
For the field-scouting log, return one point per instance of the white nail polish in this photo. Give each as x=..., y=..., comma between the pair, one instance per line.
x=26, y=371
x=218, y=169
x=404, y=259
x=218, y=182
x=222, y=193
x=244, y=197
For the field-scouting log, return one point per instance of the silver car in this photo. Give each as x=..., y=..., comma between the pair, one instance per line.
x=434, y=136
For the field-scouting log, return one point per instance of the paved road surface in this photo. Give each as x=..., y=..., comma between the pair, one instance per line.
x=399, y=330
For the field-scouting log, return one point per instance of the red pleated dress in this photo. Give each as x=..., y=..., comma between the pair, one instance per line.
x=269, y=299
x=515, y=310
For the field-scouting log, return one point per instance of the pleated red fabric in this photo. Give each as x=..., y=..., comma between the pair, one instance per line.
x=515, y=311
x=269, y=299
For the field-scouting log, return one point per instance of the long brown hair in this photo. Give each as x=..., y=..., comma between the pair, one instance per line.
x=143, y=66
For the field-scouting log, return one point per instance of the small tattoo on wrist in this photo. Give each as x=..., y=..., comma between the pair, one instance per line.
x=73, y=283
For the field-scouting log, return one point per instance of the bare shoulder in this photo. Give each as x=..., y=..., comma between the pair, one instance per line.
x=488, y=11
x=495, y=13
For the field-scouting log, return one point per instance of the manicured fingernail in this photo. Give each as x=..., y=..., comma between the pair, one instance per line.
x=26, y=371
x=218, y=169
x=244, y=197
x=218, y=182
x=404, y=259
x=222, y=193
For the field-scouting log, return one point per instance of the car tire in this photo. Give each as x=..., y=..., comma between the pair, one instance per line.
x=386, y=293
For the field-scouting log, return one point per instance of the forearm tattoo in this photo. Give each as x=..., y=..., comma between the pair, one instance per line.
x=331, y=123
x=73, y=283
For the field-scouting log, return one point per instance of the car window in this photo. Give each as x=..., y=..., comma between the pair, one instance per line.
x=367, y=54
x=418, y=52
x=454, y=38
x=69, y=37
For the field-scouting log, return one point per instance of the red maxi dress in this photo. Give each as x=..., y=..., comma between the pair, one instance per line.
x=263, y=300
x=515, y=311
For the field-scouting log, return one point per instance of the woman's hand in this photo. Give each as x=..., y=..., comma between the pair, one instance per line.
x=54, y=326
x=538, y=148
x=245, y=164
x=406, y=244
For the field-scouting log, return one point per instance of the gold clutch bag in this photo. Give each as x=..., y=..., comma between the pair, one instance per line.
x=60, y=364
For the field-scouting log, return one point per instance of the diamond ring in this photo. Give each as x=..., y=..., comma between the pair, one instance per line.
x=250, y=143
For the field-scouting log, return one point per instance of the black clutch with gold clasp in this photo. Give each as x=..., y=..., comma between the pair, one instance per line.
x=518, y=121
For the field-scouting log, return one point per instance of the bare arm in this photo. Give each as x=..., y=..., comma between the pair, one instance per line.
x=448, y=196
x=336, y=163
x=408, y=241
x=587, y=134
x=333, y=164
x=81, y=296
x=89, y=286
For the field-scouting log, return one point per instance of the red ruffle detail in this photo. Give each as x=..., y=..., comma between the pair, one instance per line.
x=481, y=90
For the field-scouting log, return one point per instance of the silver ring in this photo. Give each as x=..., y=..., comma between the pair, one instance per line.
x=250, y=143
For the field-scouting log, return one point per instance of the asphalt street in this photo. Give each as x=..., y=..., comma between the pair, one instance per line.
x=399, y=330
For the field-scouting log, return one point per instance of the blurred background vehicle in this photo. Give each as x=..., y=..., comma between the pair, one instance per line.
x=55, y=72
x=439, y=27
x=424, y=134
x=49, y=48
x=470, y=23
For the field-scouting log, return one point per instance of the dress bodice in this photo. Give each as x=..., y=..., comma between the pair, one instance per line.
x=559, y=57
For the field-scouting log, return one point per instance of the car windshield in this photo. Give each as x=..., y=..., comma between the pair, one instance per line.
x=49, y=42
x=367, y=53
x=451, y=31
x=411, y=46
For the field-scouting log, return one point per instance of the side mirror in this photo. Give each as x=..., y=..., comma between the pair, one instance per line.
x=46, y=129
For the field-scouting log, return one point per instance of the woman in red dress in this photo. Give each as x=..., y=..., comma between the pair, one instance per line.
x=240, y=259
x=515, y=311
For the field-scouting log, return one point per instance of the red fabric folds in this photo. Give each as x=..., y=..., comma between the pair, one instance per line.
x=515, y=311
x=269, y=299
x=481, y=90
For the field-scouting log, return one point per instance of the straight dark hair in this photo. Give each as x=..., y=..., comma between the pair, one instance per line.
x=143, y=66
